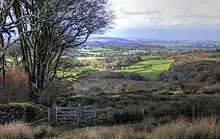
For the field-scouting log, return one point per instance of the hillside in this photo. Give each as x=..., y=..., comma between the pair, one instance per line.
x=201, y=76
x=113, y=83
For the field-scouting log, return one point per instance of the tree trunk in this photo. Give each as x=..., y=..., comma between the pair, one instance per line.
x=32, y=90
x=2, y=60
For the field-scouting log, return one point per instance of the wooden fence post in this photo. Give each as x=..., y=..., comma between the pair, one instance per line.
x=54, y=113
x=48, y=115
x=193, y=112
x=94, y=114
x=23, y=117
x=56, y=109
x=149, y=113
x=142, y=110
x=78, y=114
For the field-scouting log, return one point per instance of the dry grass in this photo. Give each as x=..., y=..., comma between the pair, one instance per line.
x=23, y=131
x=115, y=132
x=15, y=131
x=206, y=128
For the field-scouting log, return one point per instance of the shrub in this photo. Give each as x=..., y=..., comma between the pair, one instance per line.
x=128, y=116
x=55, y=90
x=105, y=116
x=16, y=86
x=119, y=89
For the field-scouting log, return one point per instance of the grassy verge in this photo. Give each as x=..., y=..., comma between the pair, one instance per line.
x=205, y=128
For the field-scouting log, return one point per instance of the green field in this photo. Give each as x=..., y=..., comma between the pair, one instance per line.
x=147, y=68
x=74, y=72
x=89, y=58
x=150, y=68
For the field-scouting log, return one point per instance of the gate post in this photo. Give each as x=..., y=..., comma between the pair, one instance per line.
x=54, y=113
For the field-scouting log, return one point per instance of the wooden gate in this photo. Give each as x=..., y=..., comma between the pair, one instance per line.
x=79, y=114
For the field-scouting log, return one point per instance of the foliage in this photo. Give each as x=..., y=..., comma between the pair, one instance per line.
x=195, y=77
x=16, y=86
x=131, y=115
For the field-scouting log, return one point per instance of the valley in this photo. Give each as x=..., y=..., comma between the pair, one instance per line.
x=109, y=69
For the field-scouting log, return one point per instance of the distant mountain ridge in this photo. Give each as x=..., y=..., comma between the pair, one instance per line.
x=111, y=41
x=134, y=43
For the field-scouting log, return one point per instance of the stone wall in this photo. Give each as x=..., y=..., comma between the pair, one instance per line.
x=25, y=112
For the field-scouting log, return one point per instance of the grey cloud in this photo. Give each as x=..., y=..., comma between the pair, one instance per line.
x=152, y=13
x=156, y=20
x=196, y=16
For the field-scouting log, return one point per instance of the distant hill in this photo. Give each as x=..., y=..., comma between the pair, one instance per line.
x=111, y=42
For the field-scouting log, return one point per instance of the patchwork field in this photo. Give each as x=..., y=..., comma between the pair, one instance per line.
x=146, y=68
x=149, y=68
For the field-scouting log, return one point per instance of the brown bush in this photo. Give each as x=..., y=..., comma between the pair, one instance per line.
x=16, y=86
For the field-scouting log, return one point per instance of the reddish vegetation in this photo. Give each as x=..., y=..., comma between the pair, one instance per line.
x=17, y=75
x=16, y=85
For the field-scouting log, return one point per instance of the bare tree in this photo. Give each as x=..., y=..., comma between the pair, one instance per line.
x=47, y=28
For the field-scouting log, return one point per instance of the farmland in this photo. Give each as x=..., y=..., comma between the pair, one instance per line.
x=149, y=68
x=146, y=68
x=151, y=64
x=136, y=87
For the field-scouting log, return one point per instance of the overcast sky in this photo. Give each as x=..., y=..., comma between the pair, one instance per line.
x=167, y=19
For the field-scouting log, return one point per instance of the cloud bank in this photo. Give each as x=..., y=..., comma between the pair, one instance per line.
x=166, y=13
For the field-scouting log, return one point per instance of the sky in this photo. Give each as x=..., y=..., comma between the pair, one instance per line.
x=166, y=19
